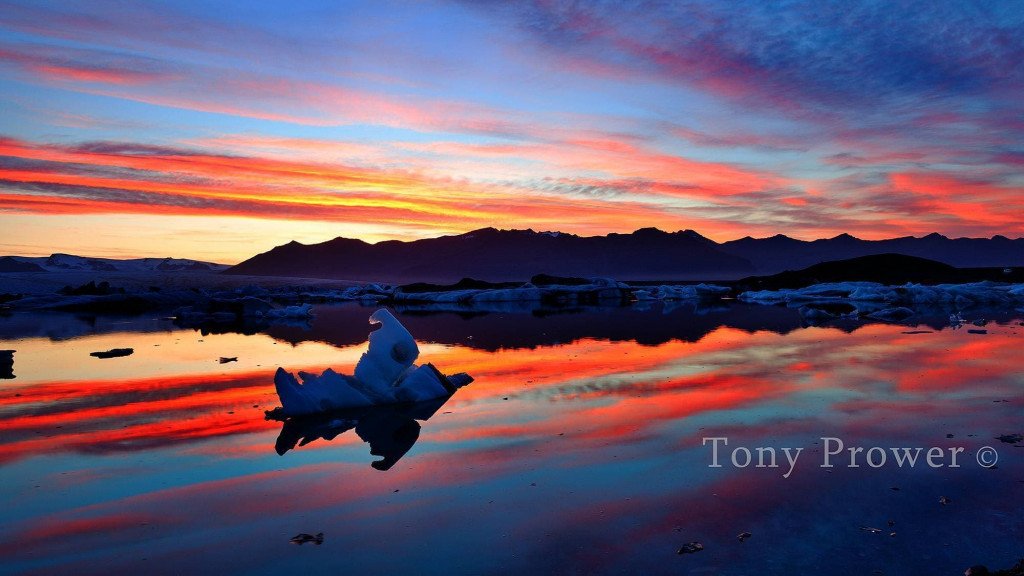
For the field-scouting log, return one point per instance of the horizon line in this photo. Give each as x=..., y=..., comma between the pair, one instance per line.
x=530, y=230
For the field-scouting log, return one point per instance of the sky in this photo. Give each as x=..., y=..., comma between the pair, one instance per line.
x=217, y=130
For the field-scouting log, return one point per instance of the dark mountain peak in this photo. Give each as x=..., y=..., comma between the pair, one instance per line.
x=339, y=241
x=496, y=255
x=693, y=234
x=477, y=233
x=844, y=237
x=491, y=232
x=648, y=253
x=649, y=231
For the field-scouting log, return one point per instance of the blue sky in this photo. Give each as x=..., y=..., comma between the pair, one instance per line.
x=216, y=130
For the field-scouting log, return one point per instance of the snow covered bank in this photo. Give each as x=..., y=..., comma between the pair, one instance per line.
x=888, y=303
x=597, y=290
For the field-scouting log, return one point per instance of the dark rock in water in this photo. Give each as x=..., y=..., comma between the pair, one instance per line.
x=691, y=548
x=275, y=414
x=949, y=435
x=114, y=353
x=1011, y=438
x=304, y=538
x=977, y=331
x=113, y=303
x=744, y=535
x=5, y=298
x=225, y=360
x=7, y=364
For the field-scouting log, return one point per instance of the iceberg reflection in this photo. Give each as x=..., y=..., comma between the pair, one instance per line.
x=391, y=430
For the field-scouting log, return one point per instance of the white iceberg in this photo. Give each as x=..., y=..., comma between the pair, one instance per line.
x=385, y=374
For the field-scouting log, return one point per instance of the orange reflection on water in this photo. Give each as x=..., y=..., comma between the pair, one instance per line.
x=588, y=388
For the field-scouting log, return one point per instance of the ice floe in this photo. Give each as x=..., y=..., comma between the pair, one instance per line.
x=385, y=374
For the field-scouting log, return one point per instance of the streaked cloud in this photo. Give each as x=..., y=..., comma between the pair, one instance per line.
x=805, y=119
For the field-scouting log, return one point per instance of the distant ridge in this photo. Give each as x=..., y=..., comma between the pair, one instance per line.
x=69, y=262
x=503, y=255
x=888, y=269
x=778, y=253
x=646, y=254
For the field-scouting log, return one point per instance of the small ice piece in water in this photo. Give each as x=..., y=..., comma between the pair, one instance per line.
x=304, y=538
x=7, y=364
x=691, y=548
x=113, y=353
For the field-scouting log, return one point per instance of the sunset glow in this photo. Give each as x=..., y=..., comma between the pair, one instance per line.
x=218, y=131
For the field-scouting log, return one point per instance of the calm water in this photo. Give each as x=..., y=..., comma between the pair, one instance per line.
x=577, y=450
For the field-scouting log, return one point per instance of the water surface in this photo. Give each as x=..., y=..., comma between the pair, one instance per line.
x=577, y=450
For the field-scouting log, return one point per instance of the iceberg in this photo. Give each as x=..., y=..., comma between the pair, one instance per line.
x=385, y=374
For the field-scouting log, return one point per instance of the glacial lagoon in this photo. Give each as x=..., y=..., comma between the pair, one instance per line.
x=578, y=449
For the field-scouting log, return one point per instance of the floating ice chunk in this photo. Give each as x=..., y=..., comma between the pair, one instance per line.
x=423, y=383
x=329, y=391
x=711, y=290
x=391, y=353
x=303, y=311
x=643, y=295
x=815, y=314
x=892, y=314
x=385, y=374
